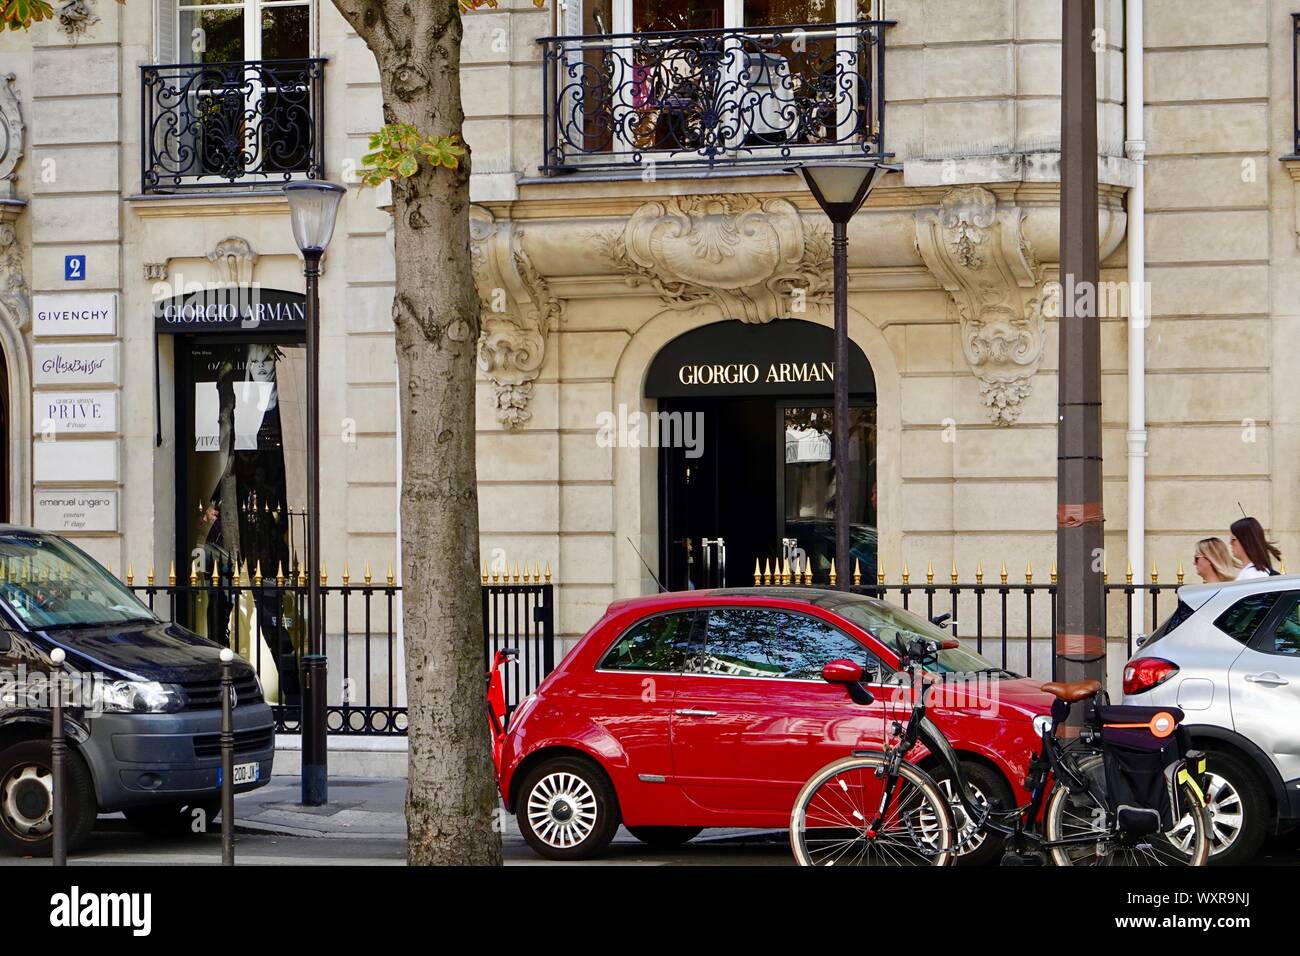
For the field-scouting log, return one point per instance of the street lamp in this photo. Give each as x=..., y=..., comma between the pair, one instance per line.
x=313, y=207
x=840, y=189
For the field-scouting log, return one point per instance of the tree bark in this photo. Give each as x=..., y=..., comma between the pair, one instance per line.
x=451, y=791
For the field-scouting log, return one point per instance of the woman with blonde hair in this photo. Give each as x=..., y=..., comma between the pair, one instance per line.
x=1213, y=561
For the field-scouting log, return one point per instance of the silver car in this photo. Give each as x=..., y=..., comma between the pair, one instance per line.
x=1229, y=656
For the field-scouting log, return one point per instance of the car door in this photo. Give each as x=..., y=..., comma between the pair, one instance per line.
x=1264, y=686
x=753, y=719
x=630, y=692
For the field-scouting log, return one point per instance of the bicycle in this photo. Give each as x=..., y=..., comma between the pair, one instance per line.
x=876, y=808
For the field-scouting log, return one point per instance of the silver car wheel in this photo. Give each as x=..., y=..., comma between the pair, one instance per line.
x=965, y=826
x=27, y=800
x=1226, y=812
x=562, y=810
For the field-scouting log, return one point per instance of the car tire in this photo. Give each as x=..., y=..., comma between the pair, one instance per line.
x=567, y=809
x=1236, y=789
x=175, y=819
x=26, y=803
x=988, y=785
x=665, y=838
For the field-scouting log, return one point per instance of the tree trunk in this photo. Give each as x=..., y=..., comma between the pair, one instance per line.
x=451, y=793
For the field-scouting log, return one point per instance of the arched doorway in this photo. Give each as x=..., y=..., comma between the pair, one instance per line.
x=746, y=462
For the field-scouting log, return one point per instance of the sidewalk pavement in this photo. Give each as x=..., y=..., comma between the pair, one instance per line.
x=371, y=807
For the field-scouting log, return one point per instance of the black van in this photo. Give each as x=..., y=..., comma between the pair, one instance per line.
x=143, y=698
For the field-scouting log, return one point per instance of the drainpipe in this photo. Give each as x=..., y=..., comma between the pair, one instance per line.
x=1135, y=149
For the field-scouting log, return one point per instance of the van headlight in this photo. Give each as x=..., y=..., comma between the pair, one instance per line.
x=138, y=697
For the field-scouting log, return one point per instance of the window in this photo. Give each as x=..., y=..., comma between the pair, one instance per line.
x=896, y=628
x=1181, y=613
x=1242, y=619
x=655, y=644
x=758, y=642
x=243, y=30
x=50, y=584
x=1286, y=636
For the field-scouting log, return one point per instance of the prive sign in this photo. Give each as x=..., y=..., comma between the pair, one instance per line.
x=73, y=413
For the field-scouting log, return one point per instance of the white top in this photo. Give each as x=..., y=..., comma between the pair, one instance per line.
x=1250, y=571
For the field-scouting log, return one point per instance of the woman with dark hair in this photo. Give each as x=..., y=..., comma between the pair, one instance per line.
x=1253, y=550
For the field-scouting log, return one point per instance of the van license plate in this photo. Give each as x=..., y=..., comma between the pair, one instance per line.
x=244, y=773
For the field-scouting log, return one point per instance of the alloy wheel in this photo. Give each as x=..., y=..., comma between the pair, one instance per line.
x=969, y=839
x=27, y=801
x=562, y=809
x=1223, y=803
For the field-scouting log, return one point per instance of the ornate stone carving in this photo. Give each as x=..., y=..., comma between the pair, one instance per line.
x=156, y=271
x=975, y=248
x=518, y=310
x=76, y=17
x=234, y=259
x=15, y=298
x=11, y=137
x=752, y=258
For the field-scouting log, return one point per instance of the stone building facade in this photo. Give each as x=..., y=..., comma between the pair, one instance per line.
x=598, y=258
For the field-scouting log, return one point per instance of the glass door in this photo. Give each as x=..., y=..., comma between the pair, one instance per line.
x=808, y=493
x=242, y=467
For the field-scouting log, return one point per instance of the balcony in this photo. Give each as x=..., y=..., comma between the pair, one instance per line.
x=242, y=124
x=714, y=97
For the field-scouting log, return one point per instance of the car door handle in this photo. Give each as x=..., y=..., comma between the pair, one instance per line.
x=688, y=712
x=1268, y=677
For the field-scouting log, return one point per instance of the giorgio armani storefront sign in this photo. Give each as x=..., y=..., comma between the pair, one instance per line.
x=232, y=309
x=782, y=357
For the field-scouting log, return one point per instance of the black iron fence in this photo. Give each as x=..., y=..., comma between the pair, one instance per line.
x=704, y=97
x=205, y=124
x=262, y=619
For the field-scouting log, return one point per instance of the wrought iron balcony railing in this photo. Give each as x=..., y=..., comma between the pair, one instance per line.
x=714, y=97
x=241, y=123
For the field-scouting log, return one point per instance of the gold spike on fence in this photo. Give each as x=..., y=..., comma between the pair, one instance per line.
x=785, y=570
x=171, y=574
x=807, y=572
x=979, y=572
x=907, y=574
x=216, y=574
x=130, y=575
x=367, y=576
x=346, y=574
x=1180, y=572
x=279, y=574
x=194, y=573
x=953, y=573
x=1053, y=573
x=148, y=579
x=483, y=575
x=767, y=571
x=1003, y=573
x=929, y=572
x=880, y=574
x=1128, y=572
x=857, y=572
x=1029, y=573
x=257, y=574
x=391, y=577
x=1155, y=572
x=758, y=573
x=833, y=576
x=237, y=575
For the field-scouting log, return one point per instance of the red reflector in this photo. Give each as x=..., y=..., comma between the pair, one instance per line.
x=1143, y=673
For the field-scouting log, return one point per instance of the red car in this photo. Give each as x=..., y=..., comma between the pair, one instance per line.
x=708, y=709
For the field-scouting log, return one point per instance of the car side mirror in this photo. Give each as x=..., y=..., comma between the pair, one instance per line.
x=842, y=671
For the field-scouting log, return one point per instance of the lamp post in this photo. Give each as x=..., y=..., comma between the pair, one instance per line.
x=840, y=189
x=313, y=207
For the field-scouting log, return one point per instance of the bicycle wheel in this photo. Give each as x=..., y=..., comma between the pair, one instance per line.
x=1074, y=817
x=832, y=814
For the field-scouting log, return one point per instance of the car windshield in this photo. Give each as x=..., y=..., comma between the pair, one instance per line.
x=48, y=583
x=895, y=628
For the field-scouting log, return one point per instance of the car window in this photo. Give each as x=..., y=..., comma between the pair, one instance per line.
x=657, y=643
x=1242, y=619
x=764, y=642
x=1181, y=613
x=1285, y=638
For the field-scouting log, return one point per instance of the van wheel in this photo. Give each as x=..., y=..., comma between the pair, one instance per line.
x=1239, y=810
x=27, y=799
x=567, y=809
x=665, y=838
x=176, y=819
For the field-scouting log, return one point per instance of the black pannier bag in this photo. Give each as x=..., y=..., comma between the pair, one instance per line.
x=1140, y=748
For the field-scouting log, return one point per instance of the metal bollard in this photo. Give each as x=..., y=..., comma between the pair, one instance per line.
x=227, y=740
x=58, y=748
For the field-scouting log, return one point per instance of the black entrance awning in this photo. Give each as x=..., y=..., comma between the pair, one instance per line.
x=729, y=359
